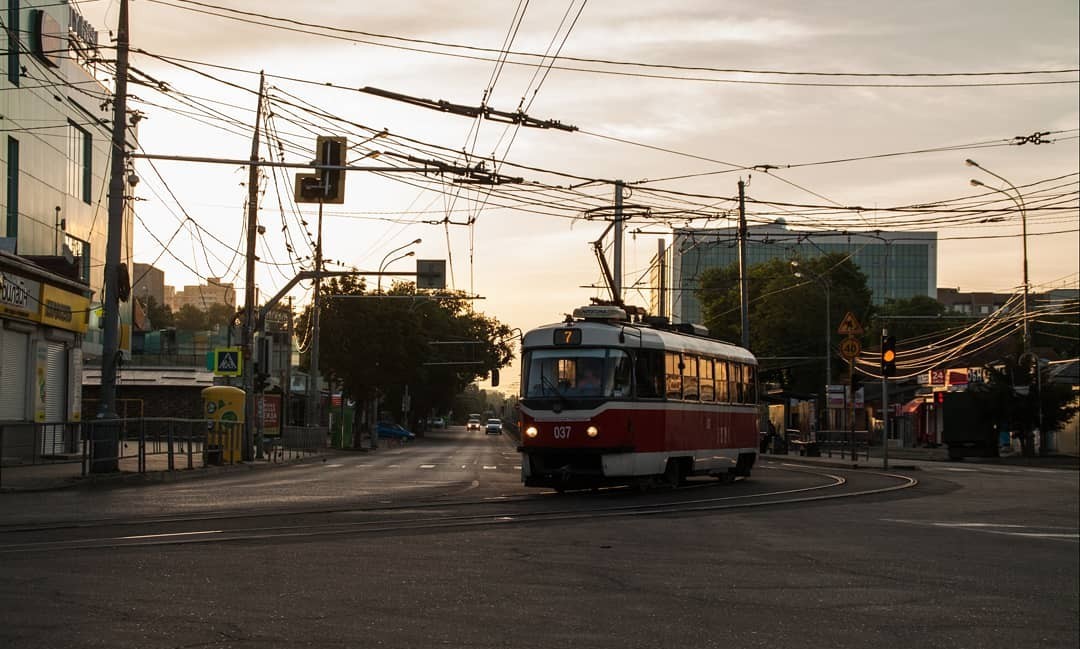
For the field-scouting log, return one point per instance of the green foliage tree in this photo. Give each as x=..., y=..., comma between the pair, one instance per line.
x=161, y=316
x=190, y=318
x=787, y=314
x=914, y=317
x=219, y=315
x=382, y=344
x=1020, y=403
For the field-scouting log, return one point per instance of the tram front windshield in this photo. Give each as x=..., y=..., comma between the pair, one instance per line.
x=578, y=372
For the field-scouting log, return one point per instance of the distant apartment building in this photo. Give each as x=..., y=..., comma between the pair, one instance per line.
x=898, y=265
x=55, y=154
x=976, y=304
x=202, y=296
x=148, y=282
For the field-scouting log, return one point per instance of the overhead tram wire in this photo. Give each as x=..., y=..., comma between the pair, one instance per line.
x=307, y=27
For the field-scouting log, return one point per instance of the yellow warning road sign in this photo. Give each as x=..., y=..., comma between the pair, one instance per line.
x=850, y=326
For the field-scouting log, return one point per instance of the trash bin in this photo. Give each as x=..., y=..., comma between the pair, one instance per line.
x=223, y=408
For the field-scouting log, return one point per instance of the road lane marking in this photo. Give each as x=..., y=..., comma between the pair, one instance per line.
x=1001, y=529
x=488, y=467
x=427, y=466
x=162, y=536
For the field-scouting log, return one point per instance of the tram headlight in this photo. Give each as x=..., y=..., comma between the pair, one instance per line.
x=531, y=431
x=592, y=431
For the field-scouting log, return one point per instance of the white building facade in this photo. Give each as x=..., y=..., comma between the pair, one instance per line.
x=55, y=154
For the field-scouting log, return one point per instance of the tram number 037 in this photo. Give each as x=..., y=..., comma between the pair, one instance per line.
x=560, y=432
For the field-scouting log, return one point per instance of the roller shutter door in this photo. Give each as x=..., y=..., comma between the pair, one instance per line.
x=13, y=378
x=56, y=380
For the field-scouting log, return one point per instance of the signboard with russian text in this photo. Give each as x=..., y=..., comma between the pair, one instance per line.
x=19, y=296
x=63, y=309
x=270, y=405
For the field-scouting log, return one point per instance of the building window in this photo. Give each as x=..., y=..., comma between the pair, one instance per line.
x=80, y=156
x=14, y=68
x=12, y=188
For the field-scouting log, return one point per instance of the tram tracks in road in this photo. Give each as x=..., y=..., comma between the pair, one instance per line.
x=436, y=516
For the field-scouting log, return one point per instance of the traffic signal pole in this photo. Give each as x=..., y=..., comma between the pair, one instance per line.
x=884, y=408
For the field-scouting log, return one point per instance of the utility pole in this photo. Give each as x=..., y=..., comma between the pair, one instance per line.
x=661, y=263
x=104, y=458
x=249, y=283
x=286, y=392
x=314, y=391
x=618, y=270
x=744, y=296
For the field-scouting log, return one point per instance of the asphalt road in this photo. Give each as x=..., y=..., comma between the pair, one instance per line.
x=437, y=544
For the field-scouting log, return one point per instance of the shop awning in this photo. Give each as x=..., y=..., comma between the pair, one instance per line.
x=911, y=406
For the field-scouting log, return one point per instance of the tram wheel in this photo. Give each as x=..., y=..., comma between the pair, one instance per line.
x=673, y=473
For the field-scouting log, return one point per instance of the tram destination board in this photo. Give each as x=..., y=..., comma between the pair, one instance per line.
x=567, y=336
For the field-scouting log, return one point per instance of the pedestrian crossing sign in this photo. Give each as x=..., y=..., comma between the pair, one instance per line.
x=228, y=361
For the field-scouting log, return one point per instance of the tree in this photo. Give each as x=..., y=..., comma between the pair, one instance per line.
x=190, y=318
x=787, y=314
x=1014, y=398
x=914, y=317
x=161, y=316
x=379, y=345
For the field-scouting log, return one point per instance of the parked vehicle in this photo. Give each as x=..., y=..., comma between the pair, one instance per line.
x=389, y=430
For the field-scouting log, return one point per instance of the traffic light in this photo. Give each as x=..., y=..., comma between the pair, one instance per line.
x=331, y=151
x=888, y=355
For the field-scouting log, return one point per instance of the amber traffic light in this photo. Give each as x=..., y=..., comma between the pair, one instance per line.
x=888, y=355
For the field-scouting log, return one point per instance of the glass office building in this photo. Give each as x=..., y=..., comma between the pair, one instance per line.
x=898, y=265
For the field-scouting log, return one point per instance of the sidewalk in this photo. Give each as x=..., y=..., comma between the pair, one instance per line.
x=912, y=457
x=68, y=474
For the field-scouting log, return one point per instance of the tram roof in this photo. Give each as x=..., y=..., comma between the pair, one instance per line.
x=607, y=334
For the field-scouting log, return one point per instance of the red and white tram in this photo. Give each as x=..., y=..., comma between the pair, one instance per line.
x=605, y=400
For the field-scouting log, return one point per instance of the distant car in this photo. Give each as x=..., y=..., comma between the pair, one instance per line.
x=436, y=422
x=388, y=430
x=493, y=427
x=474, y=423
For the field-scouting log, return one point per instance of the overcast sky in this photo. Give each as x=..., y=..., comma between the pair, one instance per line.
x=529, y=265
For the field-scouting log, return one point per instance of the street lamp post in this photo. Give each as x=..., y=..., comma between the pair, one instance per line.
x=828, y=328
x=384, y=263
x=1018, y=199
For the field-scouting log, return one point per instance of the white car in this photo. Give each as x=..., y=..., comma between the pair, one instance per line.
x=493, y=427
x=474, y=423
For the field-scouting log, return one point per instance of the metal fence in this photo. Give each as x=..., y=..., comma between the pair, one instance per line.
x=36, y=454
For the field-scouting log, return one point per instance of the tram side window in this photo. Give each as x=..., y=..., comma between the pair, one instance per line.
x=751, y=384
x=735, y=382
x=742, y=378
x=649, y=374
x=705, y=369
x=690, y=378
x=722, y=392
x=673, y=375
x=617, y=383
